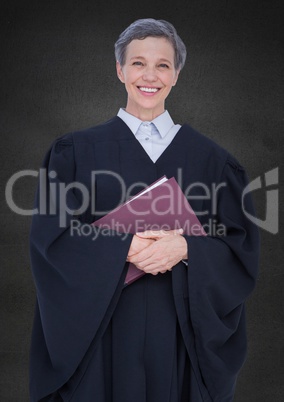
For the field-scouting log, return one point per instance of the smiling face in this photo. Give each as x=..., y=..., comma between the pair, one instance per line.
x=148, y=75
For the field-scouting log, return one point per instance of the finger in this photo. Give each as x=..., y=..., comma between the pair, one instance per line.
x=154, y=234
x=176, y=231
x=142, y=258
x=151, y=267
x=155, y=271
x=151, y=234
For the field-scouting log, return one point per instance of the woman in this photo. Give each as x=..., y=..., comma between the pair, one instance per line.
x=178, y=333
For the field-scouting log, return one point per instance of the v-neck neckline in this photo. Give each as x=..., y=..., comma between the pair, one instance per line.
x=134, y=139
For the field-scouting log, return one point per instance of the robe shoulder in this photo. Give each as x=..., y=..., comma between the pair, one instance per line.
x=107, y=131
x=209, y=149
x=115, y=129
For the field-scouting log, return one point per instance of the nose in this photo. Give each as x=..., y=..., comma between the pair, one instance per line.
x=149, y=74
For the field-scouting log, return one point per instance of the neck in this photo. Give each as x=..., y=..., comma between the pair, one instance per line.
x=144, y=114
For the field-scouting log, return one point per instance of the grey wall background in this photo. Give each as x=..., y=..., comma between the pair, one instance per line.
x=58, y=74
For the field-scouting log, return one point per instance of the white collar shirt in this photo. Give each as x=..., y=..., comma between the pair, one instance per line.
x=154, y=136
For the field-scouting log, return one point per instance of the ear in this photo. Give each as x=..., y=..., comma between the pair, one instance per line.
x=119, y=72
x=176, y=77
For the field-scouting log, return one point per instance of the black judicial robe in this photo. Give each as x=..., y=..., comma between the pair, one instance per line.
x=174, y=337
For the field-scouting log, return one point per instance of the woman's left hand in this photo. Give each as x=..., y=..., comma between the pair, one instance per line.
x=169, y=248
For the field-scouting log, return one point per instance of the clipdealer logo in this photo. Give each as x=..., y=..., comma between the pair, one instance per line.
x=271, y=221
x=269, y=224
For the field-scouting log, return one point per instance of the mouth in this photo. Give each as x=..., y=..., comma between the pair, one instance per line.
x=149, y=90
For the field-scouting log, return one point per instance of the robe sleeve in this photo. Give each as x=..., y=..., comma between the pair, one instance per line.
x=222, y=273
x=76, y=278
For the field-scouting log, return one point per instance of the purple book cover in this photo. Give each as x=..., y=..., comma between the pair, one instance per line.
x=164, y=207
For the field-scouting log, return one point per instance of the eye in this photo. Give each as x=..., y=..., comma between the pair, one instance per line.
x=137, y=63
x=163, y=65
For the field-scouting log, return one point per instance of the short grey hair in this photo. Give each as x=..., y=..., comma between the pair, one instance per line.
x=144, y=28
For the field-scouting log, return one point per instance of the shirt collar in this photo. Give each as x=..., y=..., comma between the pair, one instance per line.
x=163, y=122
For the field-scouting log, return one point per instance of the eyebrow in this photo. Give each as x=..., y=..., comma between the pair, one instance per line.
x=143, y=58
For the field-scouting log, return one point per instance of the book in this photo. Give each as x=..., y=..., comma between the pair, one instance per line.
x=160, y=206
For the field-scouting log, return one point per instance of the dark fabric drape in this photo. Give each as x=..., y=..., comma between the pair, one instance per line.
x=79, y=279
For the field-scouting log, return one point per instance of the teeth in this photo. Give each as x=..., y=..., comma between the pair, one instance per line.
x=144, y=89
